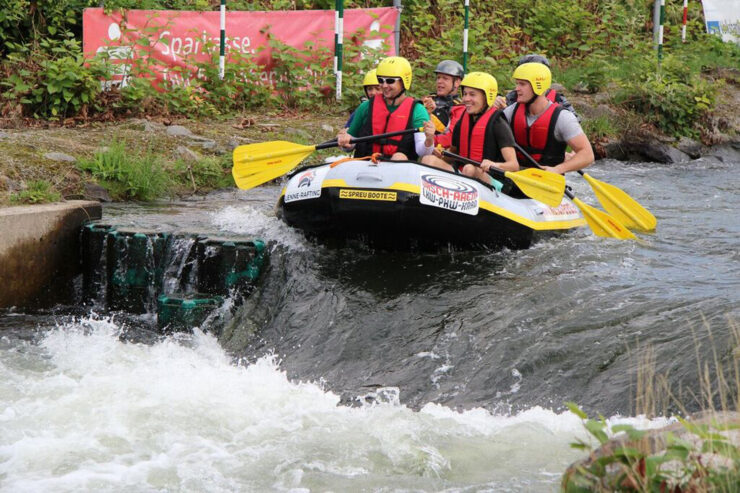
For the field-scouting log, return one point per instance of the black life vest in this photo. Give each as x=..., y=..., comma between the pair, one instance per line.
x=443, y=107
x=539, y=139
x=472, y=140
x=381, y=121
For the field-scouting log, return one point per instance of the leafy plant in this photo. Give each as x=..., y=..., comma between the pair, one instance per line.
x=209, y=173
x=701, y=458
x=38, y=192
x=129, y=176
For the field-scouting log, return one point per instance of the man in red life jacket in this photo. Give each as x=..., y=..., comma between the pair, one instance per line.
x=449, y=74
x=551, y=94
x=390, y=111
x=481, y=133
x=543, y=128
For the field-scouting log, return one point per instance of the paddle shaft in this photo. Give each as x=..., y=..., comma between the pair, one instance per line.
x=300, y=149
x=534, y=161
x=499, y=173
x=370, y=138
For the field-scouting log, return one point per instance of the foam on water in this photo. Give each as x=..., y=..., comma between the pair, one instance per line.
x=82, y=410
x=247, y=220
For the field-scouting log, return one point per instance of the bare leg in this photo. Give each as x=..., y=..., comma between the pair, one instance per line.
x=437, y=163
x=476, y=172
x=399, y=156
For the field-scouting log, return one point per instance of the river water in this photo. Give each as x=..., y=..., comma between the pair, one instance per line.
x=355, y=370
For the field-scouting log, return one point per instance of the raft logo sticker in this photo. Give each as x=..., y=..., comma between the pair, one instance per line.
x=449, y=193
x=564, y=212
x=305, y=185
x=367, y=195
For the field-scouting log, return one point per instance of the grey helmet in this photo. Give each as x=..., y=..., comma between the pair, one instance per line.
x=450, y=67
x=533, y=58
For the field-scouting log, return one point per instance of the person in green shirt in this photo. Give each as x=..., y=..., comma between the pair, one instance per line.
x=390, y=111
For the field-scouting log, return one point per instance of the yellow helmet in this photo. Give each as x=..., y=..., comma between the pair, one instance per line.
x=483, y=81
x=537, y=74
x=371, y=79
x=395, y=66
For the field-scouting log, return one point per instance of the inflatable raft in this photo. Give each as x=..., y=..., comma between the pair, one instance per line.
x=398, y=202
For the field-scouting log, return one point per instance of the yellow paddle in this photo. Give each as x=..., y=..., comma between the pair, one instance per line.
x=540, y=185
x=255, y=164
x=620, y=205
x=601, y=223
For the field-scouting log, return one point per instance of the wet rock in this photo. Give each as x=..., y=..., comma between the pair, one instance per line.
x=690, y=147
x=60, y=156
x=726, y=152
x=93, y=191
x=179, y=131
x=187, y=154
x=643, y=148
x=327, y=128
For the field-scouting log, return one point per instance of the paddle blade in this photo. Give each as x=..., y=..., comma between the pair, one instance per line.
x=622, y=206
x=602, y=224
x=245, y=182
x=540, y=185
x=255, y=164
x=255, y=158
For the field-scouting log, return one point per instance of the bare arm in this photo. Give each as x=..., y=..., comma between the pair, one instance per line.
x=583, y=157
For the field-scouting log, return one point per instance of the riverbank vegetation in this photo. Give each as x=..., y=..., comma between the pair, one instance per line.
x=701, y=453
x=601, y=52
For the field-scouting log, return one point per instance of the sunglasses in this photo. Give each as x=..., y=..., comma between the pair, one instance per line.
x=388, y=80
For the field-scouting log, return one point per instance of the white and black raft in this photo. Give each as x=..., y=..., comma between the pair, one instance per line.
x=399, y=203
x=392, y=200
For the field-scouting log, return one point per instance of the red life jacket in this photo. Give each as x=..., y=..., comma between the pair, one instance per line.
x=551, y=94
x=445, y=139
x=471, y=142
x=539, y=139
x=383, y=121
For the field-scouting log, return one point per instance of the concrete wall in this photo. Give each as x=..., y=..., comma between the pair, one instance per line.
x=40, y=252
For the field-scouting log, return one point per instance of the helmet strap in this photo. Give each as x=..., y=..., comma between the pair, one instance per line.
x=393, y=101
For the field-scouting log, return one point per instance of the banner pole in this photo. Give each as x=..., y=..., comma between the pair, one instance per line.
x=685, y=16
x=340, y=37
x=336, y=34
x=656, y=22
x=465, y=36
x=222, y=47
x=397, y=30
x=660, y=32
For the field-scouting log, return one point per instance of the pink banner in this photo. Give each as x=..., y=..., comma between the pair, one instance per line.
x=175, y=37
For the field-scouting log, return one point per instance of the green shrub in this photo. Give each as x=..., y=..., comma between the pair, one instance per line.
x=673, y=103
x=630, y=466
x=38, y=192
x=208, y=173
x=52, y=81
x=129, y=176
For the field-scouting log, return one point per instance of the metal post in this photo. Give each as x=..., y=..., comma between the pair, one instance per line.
x=656, y=22
x=465, y=36
x=397, y=30
x=660, y=32
x=222, y=48
x=340, y=37
x=336, y=34
x=685, y=16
